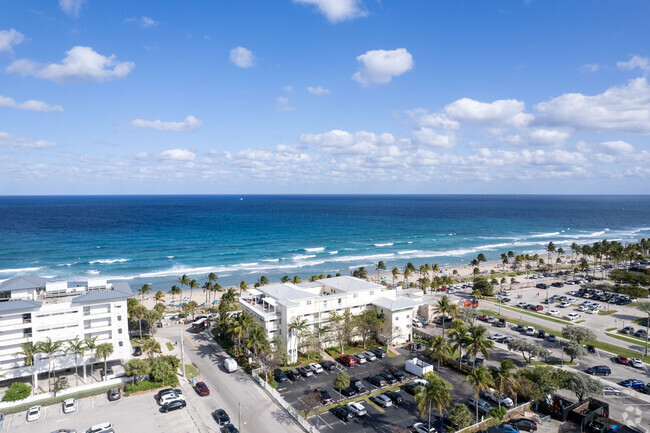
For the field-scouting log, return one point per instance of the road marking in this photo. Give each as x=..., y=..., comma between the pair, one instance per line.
x=326, y=423
x=191, y=342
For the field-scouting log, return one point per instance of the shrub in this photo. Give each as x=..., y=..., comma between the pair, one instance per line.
x=17, y=391
x=145, y=385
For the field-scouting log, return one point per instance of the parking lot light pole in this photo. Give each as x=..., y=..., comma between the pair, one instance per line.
x=182, y=355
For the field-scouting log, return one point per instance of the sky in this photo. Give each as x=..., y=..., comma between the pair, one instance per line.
x=324, y=97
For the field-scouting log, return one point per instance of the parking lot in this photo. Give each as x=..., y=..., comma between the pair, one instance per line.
x=139, y=413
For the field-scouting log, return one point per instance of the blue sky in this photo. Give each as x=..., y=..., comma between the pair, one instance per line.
x=324, y=96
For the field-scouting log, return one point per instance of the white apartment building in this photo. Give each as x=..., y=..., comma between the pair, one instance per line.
x=33, y=309
x=275, y=306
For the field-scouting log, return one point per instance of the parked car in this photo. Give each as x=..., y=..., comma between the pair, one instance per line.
x=554, y=312
x=496, y=336
x=305, y=372
x=395, y=396
x=501, y=323
x=627, y=330
x=630, y=382
x=622, y=360
x=599, y=370
x=398, y=373
x=316, y=367
x=410, y=387
x=358, y=386
x=325, y=396
x=221, y=417
x=2, y=420
x=165, y=391
x=361, y=358
x=370, y=356
x=541, y=333
x=169, y=398
x=389, y=377
x=520, y=328
x=229, y=429
x=346, y=392
x=279, y=376
x=610, y=390
x=69, y=405
x=328, y=365
x=382, y=400
x=202, y=389
x=33, y=413
x=380, y=353
x=552, y=338
x=173, y=405
x=343, y=413
x=357, y=409
x=530, y=331
x=292, y=374
x=483, y=406
x=378, y=381
x=104, y=427
x=348, y=360
x=114, y=394
x=523, y=424
x=590, y=348
x=572, y=316
x=636, y=363
x=493, y=396
x=643, y=389
x=137, y=351
x=506, y=428
x=421, y=427
x=417, y=323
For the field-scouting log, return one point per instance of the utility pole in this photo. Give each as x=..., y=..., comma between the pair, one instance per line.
x=239, y=409
x=182, y=355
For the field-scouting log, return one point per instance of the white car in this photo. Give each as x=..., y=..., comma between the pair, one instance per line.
x=417, y=323
x=554, y=312
x=370, y=356
x=172, y=396
x=636, y=363
x=101, y=428
x=583, y=308
x=593, y=311
x=451, y=291
x=33, y=413
x=522, y=304
x=420, y=427
x=491, y=396
x=530, y=330
x=315, y=367
x=564, y=305
x=69, y=405
x=572, y=316
x=495, y=336
x=357, y=409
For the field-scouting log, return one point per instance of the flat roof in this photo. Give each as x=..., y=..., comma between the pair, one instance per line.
x=22, y=282
x=399, y=303
x=349, y=284
x=285, y=293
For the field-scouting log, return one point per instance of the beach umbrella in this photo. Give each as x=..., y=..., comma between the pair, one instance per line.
x=216, y=301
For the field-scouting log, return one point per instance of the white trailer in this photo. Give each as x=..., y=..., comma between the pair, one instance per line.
x=418, y=367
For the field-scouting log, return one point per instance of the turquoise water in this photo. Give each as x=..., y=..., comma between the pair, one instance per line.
x=155, y=239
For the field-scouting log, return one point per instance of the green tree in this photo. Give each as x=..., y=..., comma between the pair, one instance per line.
x=504, y=376
x=162, y=370
x=527, y=347
x=445, y=308
x=381, y=266
x=91, y=345
x=28, y=351
x=151, y=347
x=498, y=412
x=395, y=271
x=50, y=348
x=17, y=391
x=296, y=279
x=143, y=291
x=578, y=333
x=480, y=379
x=241, y=325
x=104, y=350
x=438, y=347
x=484, y=286
x=285, y=279
x=583, y=385
x=460, y=414
x=190, y=308
x=137, y=313
x=151, y=316
x=193, y=285
x=434, y=394
x=481, y=258
x=256, y=339
x=159, y=296
x=469, y=315
x=459, y=339
x=136, y=368
x=544, y=379
x=175, y=290
x=574, y=350
x=299, y=326
x=367, y=324
x=478, y=342
x=342, y=380
x=78, y=348
x=184, y=280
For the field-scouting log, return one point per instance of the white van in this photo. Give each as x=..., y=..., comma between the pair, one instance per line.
x=230, y=365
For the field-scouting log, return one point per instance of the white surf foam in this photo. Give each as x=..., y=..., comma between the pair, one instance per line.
x=19, y=270
x=107, y=261
x=387, y=244
x=92, y=272
x=303, y=257
x=315, y=250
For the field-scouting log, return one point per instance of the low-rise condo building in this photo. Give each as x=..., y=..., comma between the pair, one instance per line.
x=33, y=309
x=275, y=306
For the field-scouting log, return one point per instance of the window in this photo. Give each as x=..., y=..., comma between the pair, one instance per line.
x=408, y=316
x=396, y=318
x=119, y=331
x=408, y=325
x=121, y=343
x=356, y=295
x=372, y=292
x=119, y=318
x=340, y=301
x=308, y=302
x=324, y=304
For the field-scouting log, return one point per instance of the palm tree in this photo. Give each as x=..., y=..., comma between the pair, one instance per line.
x=459, y=339
x=285, y=279
x=550, y=248
x=193, y=285
x=395, y=273
x=431, y=394
x=299, y=326
x=481, y=258
x=91, y=345
x=240, y=326
x=175, y=290
x=212, y=279
x=138, y=312
x=296, y=279
x=443, y=308
x=480, y=379
x=105, y=350
x=381, y=266
x=146, y=288
x=242, y=286
x=150, y=347
x=478, y=342
x=151, y=316
x=29, y=350
x=256, y=339
x=438, y=347
x=159, y=296
x=229, y=298
x=49, y=348
x=78, y=348
x=407, y=273
x=184, y=280
x=504, y=376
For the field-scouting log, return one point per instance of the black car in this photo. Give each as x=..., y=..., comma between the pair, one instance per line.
x=599, y=370
x=643, y=389
x=173, y=405
x=389, y=377
x=325, y=396
x=137, y=351
x=591, y=348
x=358, y=386
x=221, y=417
x=378, y=381
x=523, y=424
x=328, y=365
x=379, y=353
x=279, y=375
x=520, y=328
x=229, y=429
x=399, y=374
x=306, y=372
x=395, y=396
x=409, y=388
x=292, y=374
x=541, y=334
x=501, y=323
x=541, y=286
x=343, y=413
x=114, y=394
x=346, y=392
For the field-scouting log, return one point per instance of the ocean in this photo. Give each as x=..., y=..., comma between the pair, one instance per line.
x=156, y=239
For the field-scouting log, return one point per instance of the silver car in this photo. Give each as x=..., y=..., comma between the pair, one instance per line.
x=370, y=356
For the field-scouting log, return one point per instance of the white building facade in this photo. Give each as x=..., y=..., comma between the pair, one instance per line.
x=33, y=309
x=275, y=307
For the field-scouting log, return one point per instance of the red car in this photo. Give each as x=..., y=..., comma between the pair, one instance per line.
x=483, y=318
x=348, y=360
x=202, y=389
x=539, y=308
x=622, y=360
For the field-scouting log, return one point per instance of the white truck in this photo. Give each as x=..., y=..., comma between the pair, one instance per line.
x=230, y=365
x=418, y=367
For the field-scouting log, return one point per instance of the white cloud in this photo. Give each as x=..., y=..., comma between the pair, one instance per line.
x=436, y=120
x=338, y=10
x=622, y=108
x=430, y=138
x=282, y=104
x=190, y=124
x=318, y=90
x=380, y=66
x=337, y=141
x=178, y=155
x=635, y=62
x=590, y=67
x=22, y=143
x=71, y=7
x=30, y=105
x=617, y=147
x=538, y=137
x=80, y=64
x=500, y=113
x=144, y=22
x=288, y=89
x=242, y=57
x=9, y=38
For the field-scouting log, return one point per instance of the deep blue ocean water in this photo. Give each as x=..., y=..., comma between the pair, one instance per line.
x=155, y=239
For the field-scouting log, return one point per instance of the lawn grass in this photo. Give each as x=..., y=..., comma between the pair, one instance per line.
x=170, y=346
x=618, y=350
x=607, y=313
x=539, y=316
x=512, y=320
x=610, y=329
x=190, y=371
x=629, y=338
x=554, y=362
x=56, y=400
